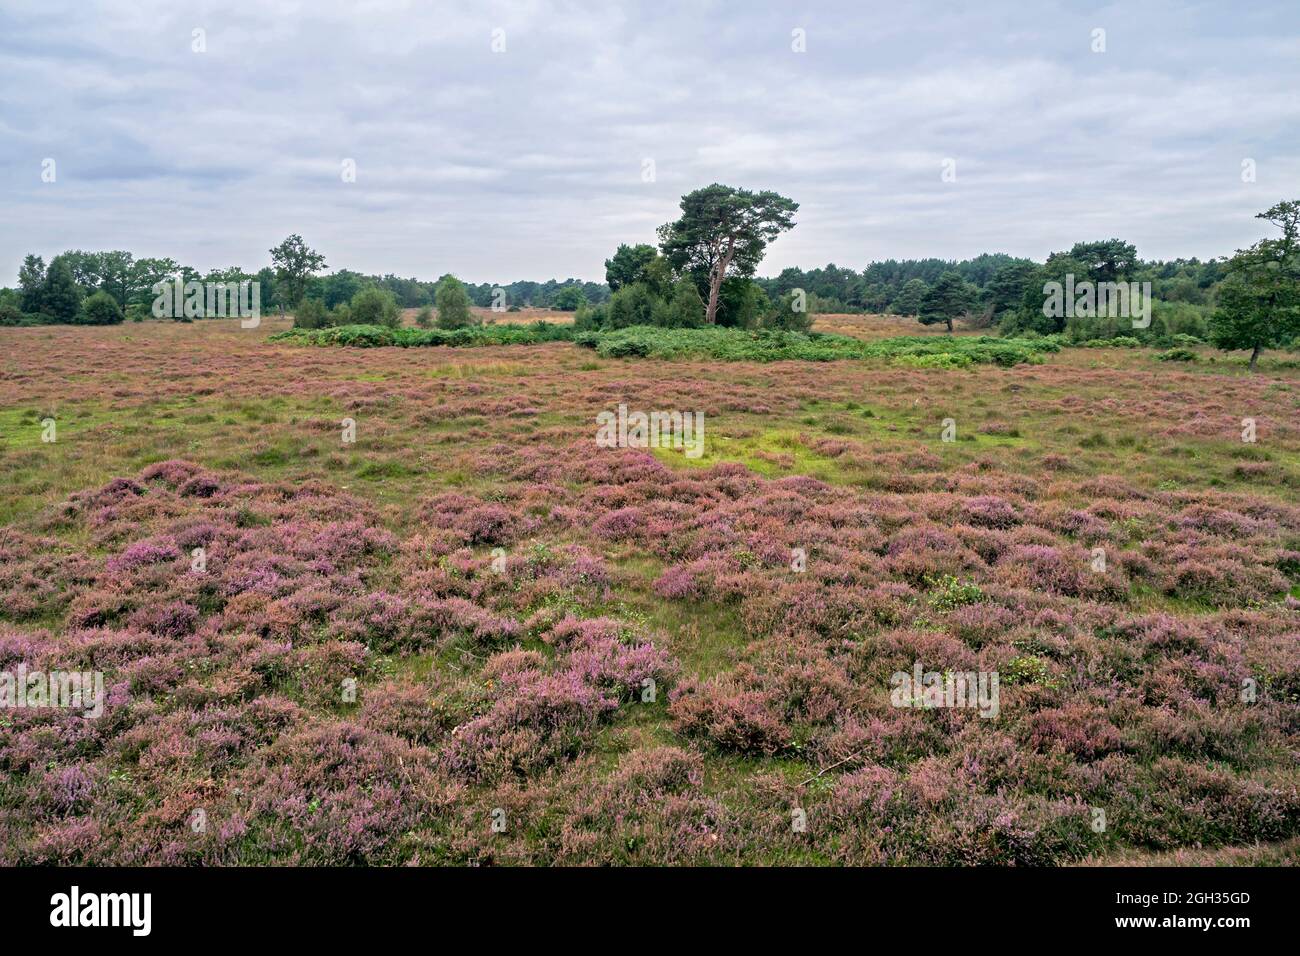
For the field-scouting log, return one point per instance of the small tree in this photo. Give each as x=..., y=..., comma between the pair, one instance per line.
x=632, y=305
x=100, y=308
x=791, y=313
x=31, y=280
x=60, y=295
x=741, y=303
x=723, y=233
x=946, y=299
x=453, y=303
x=424, y=318
x=686, y=309
x=908, y=300
x=295, y=266
x=311, y=314
x=1259, y=302
x=375, y=306
x=1006, y=289
x=569, y=299
x=628, y=265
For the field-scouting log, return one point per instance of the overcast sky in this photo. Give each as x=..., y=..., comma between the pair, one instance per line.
x=533, y=162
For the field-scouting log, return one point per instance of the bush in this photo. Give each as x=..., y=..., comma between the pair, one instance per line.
x=374, y=306
x=1178, y=355
x=786, y=316
x=372, y=336
x=12, y=315
x=99, y=308
x=631, y=305
x=771, y=345
x=424, y=318
x=311, y=314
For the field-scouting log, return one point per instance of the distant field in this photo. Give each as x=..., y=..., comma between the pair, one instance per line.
x=639, y=674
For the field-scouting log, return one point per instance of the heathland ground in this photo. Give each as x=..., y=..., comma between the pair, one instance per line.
x=569, y=654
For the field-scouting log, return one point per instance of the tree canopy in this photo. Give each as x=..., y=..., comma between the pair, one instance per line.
x=1259, y=302
x=724, y=231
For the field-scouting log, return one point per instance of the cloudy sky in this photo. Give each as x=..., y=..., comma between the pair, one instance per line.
x=588, y=121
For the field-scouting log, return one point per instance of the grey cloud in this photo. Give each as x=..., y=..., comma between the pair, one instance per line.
x=528, y=163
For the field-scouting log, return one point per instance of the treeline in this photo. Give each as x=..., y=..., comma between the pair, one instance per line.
x=994, y=286
x=702, y=273
x=101, y=288
x=567, y=295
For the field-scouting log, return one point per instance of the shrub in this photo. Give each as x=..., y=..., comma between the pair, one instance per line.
x=99, y=308
x=311, y=314
x=374, y=306
x=786, y=316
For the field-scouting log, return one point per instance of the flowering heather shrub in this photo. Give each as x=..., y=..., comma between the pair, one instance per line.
x=988, y=511
x=677, y=582
x=538, y=718
x=336, y=794
x=729, y=716
x=620, y=524
x=649, y=811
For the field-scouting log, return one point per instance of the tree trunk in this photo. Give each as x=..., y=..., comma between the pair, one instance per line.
x=950, y=325
x=711, y=311
x=716, y=275
x=1254, y=358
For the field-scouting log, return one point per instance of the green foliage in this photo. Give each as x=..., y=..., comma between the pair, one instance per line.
x=453, y=304
x=686, y=310
x=99, y=308
x=339, y=287
x=628, y=265
x=910, y=297
x=631, y=305
x=295, y=265
x=569, y=299
x=741, y=303
x=791, y=313
x=60, y=295
x=1006, y=290
x=1177, y=320
x=723, y=232
x=374, y=336
x=1028, y=669
x=949, y=593
x=1259, y=303
x=31, y=279
x=770, y=345
x=311, y=314
x=1106, y=260
x=1178, y=355
x=945, y=300
x=424, y=318
x=11, y=314
x=374, y=306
